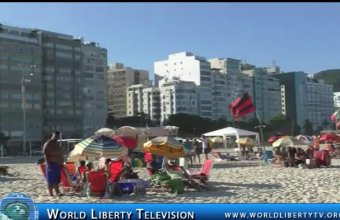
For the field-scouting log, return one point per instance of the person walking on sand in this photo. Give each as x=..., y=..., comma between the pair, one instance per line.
x=205, y=146
x=54, y=160
x=197, y=149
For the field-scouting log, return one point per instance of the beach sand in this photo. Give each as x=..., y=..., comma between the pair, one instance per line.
x=236, y=182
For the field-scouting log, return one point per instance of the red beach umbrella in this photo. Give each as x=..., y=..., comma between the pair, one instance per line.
x=274, y=138
x=329, y=137
x=128, y=142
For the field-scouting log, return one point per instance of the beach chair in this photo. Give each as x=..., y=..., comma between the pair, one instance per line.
x=156, y=182
x=205, y=170
x=65, y=182
x=115, y=170
x=81, y=170
x=97, y=182
x=71, y=168
x=268, y=157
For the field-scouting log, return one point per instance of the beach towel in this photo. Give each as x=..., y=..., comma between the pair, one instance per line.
x=53, y=176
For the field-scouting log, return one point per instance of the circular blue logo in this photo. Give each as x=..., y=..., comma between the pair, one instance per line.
x=18, y=206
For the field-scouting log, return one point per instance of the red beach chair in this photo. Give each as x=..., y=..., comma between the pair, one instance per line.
x=205, y=170
x=97, y=182
x=115, y=170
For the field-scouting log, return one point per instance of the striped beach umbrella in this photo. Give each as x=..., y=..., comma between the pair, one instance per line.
x=100, y=146
x=287, y=141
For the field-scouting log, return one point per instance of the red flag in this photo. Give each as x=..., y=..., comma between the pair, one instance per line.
x=242, y=106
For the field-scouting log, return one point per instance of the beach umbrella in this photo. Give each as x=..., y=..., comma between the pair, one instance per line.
x=128, y=142
x=287, y=141
x=273, y=139
x=329, y=137
x=100, y=146
x=74, y=156
x=105, y=131
x=165, y=147
x=127, y=131
x=308, y=140
x=246, y=142
x=217, y=140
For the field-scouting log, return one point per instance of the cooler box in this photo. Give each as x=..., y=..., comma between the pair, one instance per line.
x=127, y=186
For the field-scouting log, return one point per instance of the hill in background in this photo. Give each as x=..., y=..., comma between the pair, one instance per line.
x=331, y=77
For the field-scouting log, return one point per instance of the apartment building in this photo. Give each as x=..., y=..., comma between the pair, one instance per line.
x=62, y=92
x=94, y=87
x=306, y=98
x=142, y=99
x=20, y=54
x=266, y=91
x=190, y=68
x=178, y=96
x=229, y=83
x=119, y=79
x=336, y=100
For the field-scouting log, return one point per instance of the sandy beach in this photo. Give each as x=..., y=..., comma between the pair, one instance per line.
x=236, y=182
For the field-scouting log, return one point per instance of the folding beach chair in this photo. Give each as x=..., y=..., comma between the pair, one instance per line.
x=156, y=182
x=115, y=170
x=81, y=170
x=65, y=182
x=71, y=168
x=205, y=170
x=268, y=157
x=97, y=182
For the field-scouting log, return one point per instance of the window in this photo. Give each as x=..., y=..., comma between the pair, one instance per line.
x=63, y=47
x=48, y=45
x=3, y=67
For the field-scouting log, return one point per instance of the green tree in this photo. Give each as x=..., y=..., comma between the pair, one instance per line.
x=307, y=127
x=3, y=138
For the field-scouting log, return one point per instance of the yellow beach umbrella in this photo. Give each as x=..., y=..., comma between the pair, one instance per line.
x=246, y=141
x=217, y=140
x=165, y=147
x=287, y=141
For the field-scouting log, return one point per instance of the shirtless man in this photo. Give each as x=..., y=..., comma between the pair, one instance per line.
x=54, y=160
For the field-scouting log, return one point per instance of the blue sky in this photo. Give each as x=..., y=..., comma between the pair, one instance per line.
x=298, y=36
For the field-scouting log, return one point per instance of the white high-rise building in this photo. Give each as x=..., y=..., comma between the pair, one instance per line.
x=119, y=79
x=336, y=100
x=229, y=83
x=144, y=99
x=94, y=87
x=178, y=97
x=266, y=92
x=190, y=68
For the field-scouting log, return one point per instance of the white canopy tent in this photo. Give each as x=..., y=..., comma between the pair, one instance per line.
x=233, y=132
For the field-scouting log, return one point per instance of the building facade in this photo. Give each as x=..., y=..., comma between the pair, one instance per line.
x=177, y=97
x=190, y=68
x=229, y=83
x=21, y=54
x=306, y=98
x=336, y=100
x=62, y=92
x=266, y=93
x=145, y=100
x=94, y=87
x=119, y=79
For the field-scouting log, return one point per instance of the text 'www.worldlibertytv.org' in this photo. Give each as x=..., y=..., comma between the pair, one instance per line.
x=281, y=215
